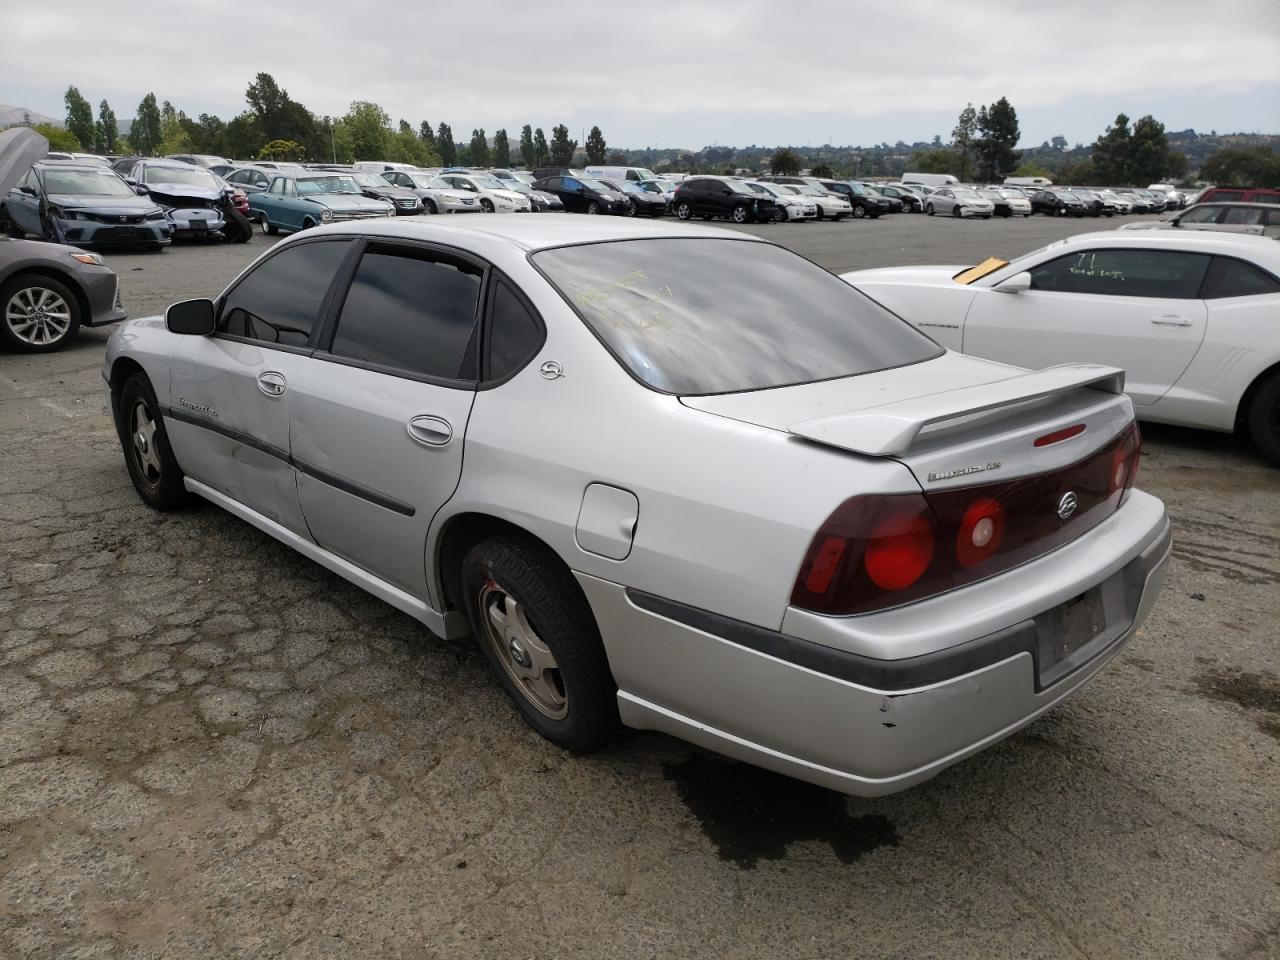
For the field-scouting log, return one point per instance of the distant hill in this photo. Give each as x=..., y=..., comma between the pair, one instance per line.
x=9, y=116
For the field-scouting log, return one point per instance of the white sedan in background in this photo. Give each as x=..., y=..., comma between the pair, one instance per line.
x=1191, y=318
x=489, y=191
x=794, y=205
x=959, y=202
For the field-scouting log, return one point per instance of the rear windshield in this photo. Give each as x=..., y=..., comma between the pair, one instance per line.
x=701, y=316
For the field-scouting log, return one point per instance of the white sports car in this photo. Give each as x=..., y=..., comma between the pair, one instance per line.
x=1192, y=319
x=671, y=477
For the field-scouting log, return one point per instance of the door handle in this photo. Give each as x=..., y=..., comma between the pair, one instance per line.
x=1171, y=320
x=271, y=383
x=430, y=431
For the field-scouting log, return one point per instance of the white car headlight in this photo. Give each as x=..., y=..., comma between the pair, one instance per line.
x=326, y=215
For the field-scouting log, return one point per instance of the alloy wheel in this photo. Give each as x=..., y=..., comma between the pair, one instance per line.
x=142, y=439
x=38, y=316
x=527, y=660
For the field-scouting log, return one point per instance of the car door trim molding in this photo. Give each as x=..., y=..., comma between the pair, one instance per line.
x=377, y=498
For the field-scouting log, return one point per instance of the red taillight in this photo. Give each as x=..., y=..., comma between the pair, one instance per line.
x=981, y=531
x=883, y=550
x=1066, y=433
x=900, y=550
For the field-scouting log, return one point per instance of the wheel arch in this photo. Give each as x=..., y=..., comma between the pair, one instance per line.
x=52, y=273
x=454, y=541
x=1246, y=398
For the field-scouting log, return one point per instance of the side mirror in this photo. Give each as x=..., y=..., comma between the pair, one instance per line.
x=140, y=190
x=1018, y=283
x=193, y=317
x=29, y=191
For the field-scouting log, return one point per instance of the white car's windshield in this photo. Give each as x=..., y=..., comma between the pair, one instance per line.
x=701, y=316
x=340, y=184
x=489, y=183
x=370, y=180
x=425, y=182
x=961, y=194
x=85, y=183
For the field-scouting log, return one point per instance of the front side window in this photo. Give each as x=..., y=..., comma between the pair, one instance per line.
x=412, y=312
x=1229, y=277
x=279, y=302
x=1201, y=215
x=1160, y=274
x=704, y=316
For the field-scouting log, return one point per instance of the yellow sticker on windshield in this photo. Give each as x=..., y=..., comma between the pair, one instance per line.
x=989, y=265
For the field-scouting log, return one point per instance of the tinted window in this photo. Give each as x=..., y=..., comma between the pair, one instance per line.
x=1228, y=195
x=410, y=312
x=1243, y=215
x=1201, y=215
x=514, y=333
x=698, y=316
x=1124, y=273
x=280, y=301
x=1235, y=278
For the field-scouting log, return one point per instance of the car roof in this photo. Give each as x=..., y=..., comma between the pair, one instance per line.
x=526, y=232
x=93, y=167
x=1262, y=249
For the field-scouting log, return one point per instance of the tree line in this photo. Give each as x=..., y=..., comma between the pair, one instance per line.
x=275, y=126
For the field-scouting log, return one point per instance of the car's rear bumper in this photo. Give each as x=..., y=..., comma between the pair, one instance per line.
x=871, y=726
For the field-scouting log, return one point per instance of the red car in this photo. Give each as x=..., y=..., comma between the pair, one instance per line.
x=1245, y=194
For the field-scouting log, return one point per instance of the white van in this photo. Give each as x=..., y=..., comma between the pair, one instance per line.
x=635, y=174
x=930, y=179
x=1040, y=182
x=381, y=166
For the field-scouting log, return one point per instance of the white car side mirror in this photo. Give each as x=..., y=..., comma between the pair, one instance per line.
x=1016, y=284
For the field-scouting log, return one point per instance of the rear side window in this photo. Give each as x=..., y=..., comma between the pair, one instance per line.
x=1243, y=215
x=411, y=312
x=279, y=302
x=1201, y=215
x=703, y=316
x=1229, y=277
x=1160, y=274
x=1228, y=195
x=515, y=334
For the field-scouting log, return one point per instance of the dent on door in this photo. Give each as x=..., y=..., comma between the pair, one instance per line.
x=607, y=521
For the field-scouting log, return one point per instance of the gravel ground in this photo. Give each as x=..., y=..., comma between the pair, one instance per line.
x=211, y=747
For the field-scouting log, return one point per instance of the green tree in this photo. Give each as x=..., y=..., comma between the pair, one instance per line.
x=405, y=146
x=108, y=130
x=368, y=129
x=935, y=161
x=241, y=137
x=59, y=138
x=173, y=131
x=998, y=134
x=964, y=138
x=528, y=156
x=282, y=150
x=1029, y=168
x=207, y=134
x=595, y=146
x=617, y=158
x=785, y=162
x=144, y=135
x=501, y=150
x=1243, y=167
x=280, y=117
x=479, y=148
x=1081, y=173
x=445, y=146
x=80, y=119
x=1111, y=153
x=1149, y=154
x=427, y=135
x=561, y=146
x=541, y=152
x=821, y=170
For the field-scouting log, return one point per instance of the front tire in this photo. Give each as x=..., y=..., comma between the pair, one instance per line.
x=486, y=205
x=152, y=467
x=1264, y=419
x=37, y=314
x=740, y=213
x=955, y=211
x=929, y=209
x=593, y=208
x=430, y=206
x=537, y=632
x=684, y=211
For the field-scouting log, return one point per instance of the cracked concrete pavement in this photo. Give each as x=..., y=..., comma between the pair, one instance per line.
x=211, y=747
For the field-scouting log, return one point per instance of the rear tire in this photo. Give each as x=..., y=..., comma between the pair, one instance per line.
x=537, y=632
x=929, y=209
x=152, y=467
x=269, y=228
x=1264, y=419
x=684, y=211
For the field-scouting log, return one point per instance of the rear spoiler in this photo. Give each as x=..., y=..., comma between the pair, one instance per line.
x=891, y=429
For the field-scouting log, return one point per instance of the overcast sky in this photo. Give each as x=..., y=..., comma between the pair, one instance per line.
x=671, y=74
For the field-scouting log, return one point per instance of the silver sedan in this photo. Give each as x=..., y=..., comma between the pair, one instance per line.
x=671, y=477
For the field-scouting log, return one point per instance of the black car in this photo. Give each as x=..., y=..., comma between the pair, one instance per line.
x=1058, y=203
x=642, y=201
x=378, y=187
x=865, y=203
x=911, y=202
x=709, y=197
x=1095, y=204
x=583, y=195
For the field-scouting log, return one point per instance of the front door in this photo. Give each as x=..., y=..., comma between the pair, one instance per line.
x=380, y=412
x=1136, y=309
x=231, y=393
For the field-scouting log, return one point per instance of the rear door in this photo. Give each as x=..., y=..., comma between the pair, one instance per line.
x=1136, y=309
x=231, y=393
x=380, y=411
